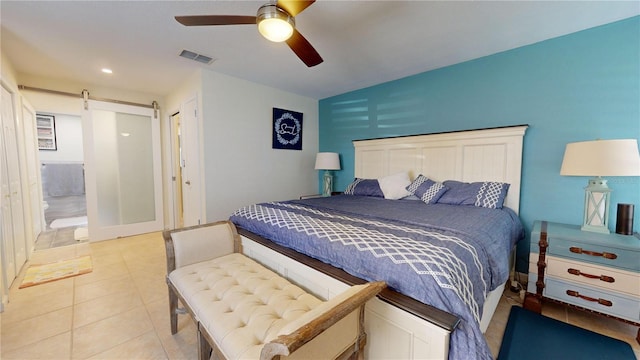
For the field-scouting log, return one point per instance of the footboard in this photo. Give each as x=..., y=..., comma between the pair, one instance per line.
x=393, y=328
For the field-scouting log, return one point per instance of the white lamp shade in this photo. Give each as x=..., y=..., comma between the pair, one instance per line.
x=327, y=161
x=602, y=158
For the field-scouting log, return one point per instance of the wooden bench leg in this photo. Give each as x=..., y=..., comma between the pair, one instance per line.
x=204, y=349
x=173, y=311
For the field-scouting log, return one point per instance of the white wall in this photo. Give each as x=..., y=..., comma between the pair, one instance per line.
x=241, y=168
x=68, y=140
x=71, y=105
x=7, y=70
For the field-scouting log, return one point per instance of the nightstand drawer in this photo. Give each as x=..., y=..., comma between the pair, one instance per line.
x=618, y=305
x=594, y=276
x=604, y=255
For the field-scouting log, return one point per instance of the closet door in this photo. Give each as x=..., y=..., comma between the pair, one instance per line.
x=8, y=250
x=13, y=224
x=33, y=172
x=190, y=159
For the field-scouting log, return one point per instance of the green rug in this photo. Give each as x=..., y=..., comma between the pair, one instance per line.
x=532, y=336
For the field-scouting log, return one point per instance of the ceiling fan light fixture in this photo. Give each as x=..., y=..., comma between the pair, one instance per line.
x=274, y=23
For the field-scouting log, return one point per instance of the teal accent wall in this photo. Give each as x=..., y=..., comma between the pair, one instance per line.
x=582, y=86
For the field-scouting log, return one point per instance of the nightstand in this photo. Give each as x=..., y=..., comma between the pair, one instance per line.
x=590, y=271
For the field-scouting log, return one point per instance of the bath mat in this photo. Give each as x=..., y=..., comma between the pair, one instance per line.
x=40, y=274
x=68, y=222
x=81, y=234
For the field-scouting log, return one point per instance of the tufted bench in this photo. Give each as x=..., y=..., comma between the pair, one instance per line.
x=243, y=310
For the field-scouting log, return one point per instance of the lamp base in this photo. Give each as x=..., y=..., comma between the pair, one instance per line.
x=596, y=206
x=327, y=183
x=597, y=229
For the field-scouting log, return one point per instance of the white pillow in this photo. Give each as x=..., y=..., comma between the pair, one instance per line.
x=395, y=186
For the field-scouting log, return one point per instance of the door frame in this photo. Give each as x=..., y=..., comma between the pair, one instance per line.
x=191, y=137
x=38, y=223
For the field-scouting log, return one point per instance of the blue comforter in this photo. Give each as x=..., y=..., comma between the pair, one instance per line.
x=447, y=256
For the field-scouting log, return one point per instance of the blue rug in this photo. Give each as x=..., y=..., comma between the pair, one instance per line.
x=532, y=336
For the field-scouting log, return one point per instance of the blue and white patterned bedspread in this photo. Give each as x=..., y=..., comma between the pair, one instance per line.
x=447, y=256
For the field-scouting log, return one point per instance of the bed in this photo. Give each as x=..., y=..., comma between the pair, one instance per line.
x=446, y=264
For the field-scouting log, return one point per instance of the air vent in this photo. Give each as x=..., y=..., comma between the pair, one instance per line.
x=196, y=57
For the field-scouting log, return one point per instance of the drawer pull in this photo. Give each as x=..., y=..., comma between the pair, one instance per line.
x=604, y=278
x=605, y=255
x=599, y=301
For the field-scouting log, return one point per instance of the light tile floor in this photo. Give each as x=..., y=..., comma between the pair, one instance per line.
x=120, y=310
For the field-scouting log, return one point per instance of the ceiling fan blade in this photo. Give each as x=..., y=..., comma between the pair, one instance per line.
x=303, y=49
x=294, y=7
x=199, y=20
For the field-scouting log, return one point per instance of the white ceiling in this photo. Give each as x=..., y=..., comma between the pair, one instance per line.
x=363, y=43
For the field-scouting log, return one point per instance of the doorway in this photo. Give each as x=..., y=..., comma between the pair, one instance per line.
x=63, y=184
x=188, y=204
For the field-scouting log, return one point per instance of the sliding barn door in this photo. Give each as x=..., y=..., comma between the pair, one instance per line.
x=122, y=170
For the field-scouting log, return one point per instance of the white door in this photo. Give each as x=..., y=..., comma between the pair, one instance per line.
x=177, y=170
x=122, y=170
x=8, y=252
x=190, y=162
x=15, y=254
x=33, y=170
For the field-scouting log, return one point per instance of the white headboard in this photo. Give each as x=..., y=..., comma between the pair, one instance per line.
x=469, y=156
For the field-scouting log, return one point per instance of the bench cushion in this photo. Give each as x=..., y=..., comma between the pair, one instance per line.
x=242, y=304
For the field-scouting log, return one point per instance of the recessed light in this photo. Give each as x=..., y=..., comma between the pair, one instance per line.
x=107, y=71
x=125, y=134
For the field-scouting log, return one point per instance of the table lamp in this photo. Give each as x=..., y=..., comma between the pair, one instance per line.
x=596, y=159
x=327, y=161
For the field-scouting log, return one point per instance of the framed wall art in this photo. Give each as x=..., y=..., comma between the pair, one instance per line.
x=287, y=129
x=46, y=128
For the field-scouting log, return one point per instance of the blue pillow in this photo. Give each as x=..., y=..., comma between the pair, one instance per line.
x=364, y=187
x=481, y=194
x=426, y=189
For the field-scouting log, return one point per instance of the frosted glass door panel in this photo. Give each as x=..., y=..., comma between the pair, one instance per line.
x=124, y=164
x=124, y=196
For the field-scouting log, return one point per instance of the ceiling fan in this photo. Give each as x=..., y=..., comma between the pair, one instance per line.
x=275, y=22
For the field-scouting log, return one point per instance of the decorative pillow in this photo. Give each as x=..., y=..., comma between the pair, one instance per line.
x=364, y=187
x=426, y=189
x=395, y=186
x=481, y=194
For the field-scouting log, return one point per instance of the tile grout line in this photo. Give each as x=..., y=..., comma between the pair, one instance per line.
x=73, y=315
x=73, y=308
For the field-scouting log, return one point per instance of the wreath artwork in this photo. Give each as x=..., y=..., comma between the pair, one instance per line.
x=287, y=129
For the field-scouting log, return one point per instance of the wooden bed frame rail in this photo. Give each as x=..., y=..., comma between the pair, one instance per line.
x=426, y=312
